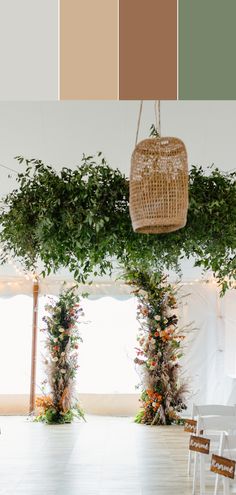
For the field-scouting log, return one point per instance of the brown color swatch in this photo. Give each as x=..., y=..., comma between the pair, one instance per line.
x=148, y=49
x=89, y=49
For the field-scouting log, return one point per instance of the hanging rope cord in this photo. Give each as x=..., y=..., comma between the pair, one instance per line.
x=157, y=110
x=157, y=107
x=8, y=168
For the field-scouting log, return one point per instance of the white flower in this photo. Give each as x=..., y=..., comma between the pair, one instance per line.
x=61, y=329
x=157, y=317
x=62, y=370
x=55, y=339
x=62, y=353
x=55, y=359
x=153, y=404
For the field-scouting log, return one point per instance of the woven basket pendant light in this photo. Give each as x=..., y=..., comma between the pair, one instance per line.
x=158, y=183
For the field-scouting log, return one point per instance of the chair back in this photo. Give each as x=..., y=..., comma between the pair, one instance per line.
x=216, y=423
x=213, y=410
x=228, y=444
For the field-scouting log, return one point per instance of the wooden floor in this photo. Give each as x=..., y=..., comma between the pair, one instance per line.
x=105, y=456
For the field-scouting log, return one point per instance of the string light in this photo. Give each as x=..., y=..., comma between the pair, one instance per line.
x=102, y=284
x=199, y=281
x=29, y=276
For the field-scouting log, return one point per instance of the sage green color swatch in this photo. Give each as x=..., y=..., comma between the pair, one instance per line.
x=207, y=49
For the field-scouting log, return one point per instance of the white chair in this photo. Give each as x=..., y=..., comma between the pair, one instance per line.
x=227, y=449
x=209, y=410
x=212, y=427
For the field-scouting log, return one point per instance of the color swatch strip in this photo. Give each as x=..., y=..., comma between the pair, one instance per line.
x=117, y=49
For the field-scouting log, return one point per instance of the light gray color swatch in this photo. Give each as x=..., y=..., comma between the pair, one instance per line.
x=28, y=49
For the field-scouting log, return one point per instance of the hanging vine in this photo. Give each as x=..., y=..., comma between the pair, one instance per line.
x=79, y=219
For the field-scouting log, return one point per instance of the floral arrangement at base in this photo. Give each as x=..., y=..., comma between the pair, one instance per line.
x=159, y=349
x=60, y=404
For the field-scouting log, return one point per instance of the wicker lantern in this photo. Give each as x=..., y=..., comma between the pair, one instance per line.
x=159, y=185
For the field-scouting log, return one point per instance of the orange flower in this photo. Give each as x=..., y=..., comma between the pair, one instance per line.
x=44, y=402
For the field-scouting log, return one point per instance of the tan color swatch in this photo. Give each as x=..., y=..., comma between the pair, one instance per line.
x=89, y=49
x=148, y=49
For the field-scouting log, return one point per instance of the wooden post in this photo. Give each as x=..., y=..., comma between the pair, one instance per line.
x=34, y=345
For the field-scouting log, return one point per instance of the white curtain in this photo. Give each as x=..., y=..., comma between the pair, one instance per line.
x=107, y=353
x=109, y=331
x=15, y=348
x=210, y=350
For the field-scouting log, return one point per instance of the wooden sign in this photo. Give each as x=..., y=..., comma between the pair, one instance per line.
x=223, y=466
x=199, y=444
x=190, y=425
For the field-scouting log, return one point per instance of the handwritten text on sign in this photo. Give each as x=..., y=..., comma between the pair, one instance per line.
x=190, y=425
x=223, y=466
x=199, y=444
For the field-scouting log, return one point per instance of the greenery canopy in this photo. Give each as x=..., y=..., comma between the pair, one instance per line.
x=79, y=219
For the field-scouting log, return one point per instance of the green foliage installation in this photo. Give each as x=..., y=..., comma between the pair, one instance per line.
x=79, y=219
